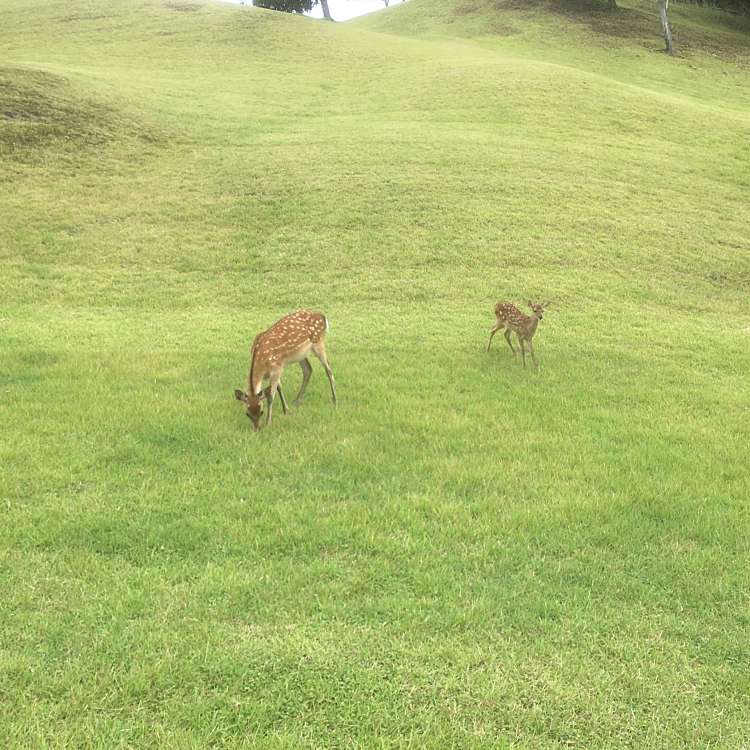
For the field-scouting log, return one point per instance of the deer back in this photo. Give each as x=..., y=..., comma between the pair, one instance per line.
x=511, y=317
x=507, y=312
x=287, y=340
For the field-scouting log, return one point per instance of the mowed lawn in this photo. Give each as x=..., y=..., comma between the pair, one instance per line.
x=464, y=553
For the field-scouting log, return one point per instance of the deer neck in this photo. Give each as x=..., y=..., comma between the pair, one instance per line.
x=533, y=323
x=254, y=379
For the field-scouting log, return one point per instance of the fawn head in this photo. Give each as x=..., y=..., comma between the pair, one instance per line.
x=253, y=406
x=538, y=308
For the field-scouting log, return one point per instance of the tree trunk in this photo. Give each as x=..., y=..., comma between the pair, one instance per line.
x=326, y=11
x=612, y=6
x=666, y=28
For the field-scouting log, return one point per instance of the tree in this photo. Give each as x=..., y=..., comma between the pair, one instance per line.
x=666, y=28
x=288, y=6
x=295, y=6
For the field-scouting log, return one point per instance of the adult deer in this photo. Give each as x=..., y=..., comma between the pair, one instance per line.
x=513, y=320
x=289, y=340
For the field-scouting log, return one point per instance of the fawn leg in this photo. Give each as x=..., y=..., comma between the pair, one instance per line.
x=492, y=333
x=306, y=372
x=533, y=358
x=320, y=352
x=523, y=350
x=507, y=335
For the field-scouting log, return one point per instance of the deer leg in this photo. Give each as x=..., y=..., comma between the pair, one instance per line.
x=523, y=350
x=507, y=335
x=533, y=358
x=320, y=353
x=306, y=372
x=267, y=391
x=284, y=407
x=271, y=392
x=492, y=333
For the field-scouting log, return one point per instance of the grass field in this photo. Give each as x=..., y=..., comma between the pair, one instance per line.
x=465, y=553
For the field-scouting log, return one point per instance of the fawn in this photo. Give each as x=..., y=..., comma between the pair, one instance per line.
x=513, y=320
x=288, y=340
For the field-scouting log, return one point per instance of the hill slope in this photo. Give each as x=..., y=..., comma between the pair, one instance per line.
x=464, y=552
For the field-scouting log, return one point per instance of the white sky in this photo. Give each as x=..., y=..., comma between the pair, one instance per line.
x=343, y=10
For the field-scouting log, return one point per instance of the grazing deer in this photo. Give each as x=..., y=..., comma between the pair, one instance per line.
x=513, y=320
x=288, y=340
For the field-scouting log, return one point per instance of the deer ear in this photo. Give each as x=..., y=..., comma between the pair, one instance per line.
x=530, y=303
x=239, y=395
x=547, y=304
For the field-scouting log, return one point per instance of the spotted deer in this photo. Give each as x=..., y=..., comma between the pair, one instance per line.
x=513, y=320
x=288, y=340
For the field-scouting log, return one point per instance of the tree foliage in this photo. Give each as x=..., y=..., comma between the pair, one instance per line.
x=288, y=6
x=295, y=6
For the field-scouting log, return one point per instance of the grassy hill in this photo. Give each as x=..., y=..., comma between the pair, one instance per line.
x=464, y=553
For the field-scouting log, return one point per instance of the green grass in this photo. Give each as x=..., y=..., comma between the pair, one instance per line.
x=464, y=553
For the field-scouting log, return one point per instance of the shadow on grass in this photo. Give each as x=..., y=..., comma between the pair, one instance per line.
x=709, y=31
x=40, y=111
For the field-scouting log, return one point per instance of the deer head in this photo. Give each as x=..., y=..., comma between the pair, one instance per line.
x=253, y=406
x=538, y=308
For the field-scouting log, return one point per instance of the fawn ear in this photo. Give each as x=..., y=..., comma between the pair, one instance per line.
x=239, y=395
x=530, y=303
x=547, y=304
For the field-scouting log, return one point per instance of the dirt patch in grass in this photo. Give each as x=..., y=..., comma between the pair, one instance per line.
x=596, y=14
x=184, y=7
x=39, y=111
x=622, y=23
x=503, y=29
x=496, y=26
x=641, y=26
x=691, y=39
x=467, y=9
x=83, y=17
x=635, y=24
